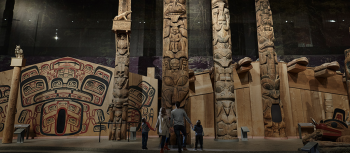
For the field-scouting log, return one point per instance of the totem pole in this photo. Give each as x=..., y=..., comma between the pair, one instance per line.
x=175, y=86
x=118, y=109
x=272, y=107
x=225, y=110
x=347, y=70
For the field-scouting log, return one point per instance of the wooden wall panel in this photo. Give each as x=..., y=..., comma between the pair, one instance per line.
x=202, y=109
x=143, y=100
x=307, y=105
x=317, y=109
x=202, y=85
x=285, y=99
x=306, y=80
x=256, y=101
x=77, y=88
x=297, y=108
x=321, y=97
x=244, y=112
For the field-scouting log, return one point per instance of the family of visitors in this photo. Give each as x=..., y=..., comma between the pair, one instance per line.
x=174, y=123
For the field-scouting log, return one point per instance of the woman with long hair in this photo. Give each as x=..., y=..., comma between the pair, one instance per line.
x=163, y=126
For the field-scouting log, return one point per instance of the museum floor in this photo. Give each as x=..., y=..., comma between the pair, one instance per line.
x=92, y=145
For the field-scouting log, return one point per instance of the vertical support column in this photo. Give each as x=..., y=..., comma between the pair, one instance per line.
x=17, y=62
x=225, y=110
x=270, y=81
x=119, y=106
x=347, y=70
x=175, y=84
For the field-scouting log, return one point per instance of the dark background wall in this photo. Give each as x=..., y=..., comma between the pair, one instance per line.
x=302, y=28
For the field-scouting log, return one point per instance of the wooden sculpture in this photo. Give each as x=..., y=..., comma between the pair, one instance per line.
x=347, y=69
x=297, y=65
x=272, y=107
x=326, y=69
x=244, y=65
x=225, y=110
x=175, y=86
x=118, y=109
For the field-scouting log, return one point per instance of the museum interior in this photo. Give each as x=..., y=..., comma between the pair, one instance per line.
x=260, y=75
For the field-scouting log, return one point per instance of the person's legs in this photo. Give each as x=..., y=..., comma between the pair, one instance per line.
x=201, y=141
x=166, y=144
x=163, y=141
x=146, y=139
x=177, y=132
x=143, y=140
x=196, y=144
x=183, y=131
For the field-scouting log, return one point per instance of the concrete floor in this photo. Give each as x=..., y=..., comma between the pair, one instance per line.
x=92, y=145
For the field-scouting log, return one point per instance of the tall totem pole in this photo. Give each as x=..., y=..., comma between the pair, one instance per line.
x=225, y=110
x=175, y=85
x=270, y=82
x=347, y=69
x=118, y=109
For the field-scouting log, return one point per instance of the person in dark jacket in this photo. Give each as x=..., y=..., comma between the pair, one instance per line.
x=199, y=134
x=145, y=128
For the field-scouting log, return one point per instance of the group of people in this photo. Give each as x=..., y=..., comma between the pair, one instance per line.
x=174, y=123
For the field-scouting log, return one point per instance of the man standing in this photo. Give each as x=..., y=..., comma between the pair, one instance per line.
x=177, y=122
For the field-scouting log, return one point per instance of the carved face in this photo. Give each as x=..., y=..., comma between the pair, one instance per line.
x=224, y=91
x=265, y=4
x=347, y=63
x=220, y=13
x=174, y=30
x=175, y=64
x=223, y=57
x=270, y=90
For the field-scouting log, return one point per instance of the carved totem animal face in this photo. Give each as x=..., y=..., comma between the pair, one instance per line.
x=223, y=57
x=224, y=91
x=270, y=90
x=220, y=13
x=175, y=64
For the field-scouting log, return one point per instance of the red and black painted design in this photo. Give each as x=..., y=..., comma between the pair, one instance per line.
x=63, y=92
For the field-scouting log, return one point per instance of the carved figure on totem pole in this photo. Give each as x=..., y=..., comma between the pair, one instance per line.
x=347, y=69
x=175, y=54
x=18, y=52
x=118, y=109
x=270, y=82
x=225, y=110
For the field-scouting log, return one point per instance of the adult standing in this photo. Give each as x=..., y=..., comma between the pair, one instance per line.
x=177, y=122
x=163, y=126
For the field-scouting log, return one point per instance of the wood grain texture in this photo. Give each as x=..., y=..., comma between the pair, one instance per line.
x=306, y=80
x=202, y=109
x=151, y=72
x=285, y=99
x=202, y=85
x=297, y=108
x=256, y=101
x=317, y=109
x=307, y=105
x=321, y=97
x=296, y=68
x=244, y=112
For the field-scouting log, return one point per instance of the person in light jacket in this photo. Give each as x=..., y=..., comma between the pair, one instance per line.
x=163, y=125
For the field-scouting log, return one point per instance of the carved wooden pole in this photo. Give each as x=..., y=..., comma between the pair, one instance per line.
x=225, y=111
x=347, y=70
x=175, y=86
x=270, y=82
x=119, y=107
x=17, y=62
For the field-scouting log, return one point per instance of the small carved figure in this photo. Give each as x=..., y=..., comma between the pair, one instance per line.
x=123, y=16
x=19, y=52
x=175, y=37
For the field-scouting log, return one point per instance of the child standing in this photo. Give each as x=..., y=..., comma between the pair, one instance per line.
x=199, y=134
x=145, y=127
